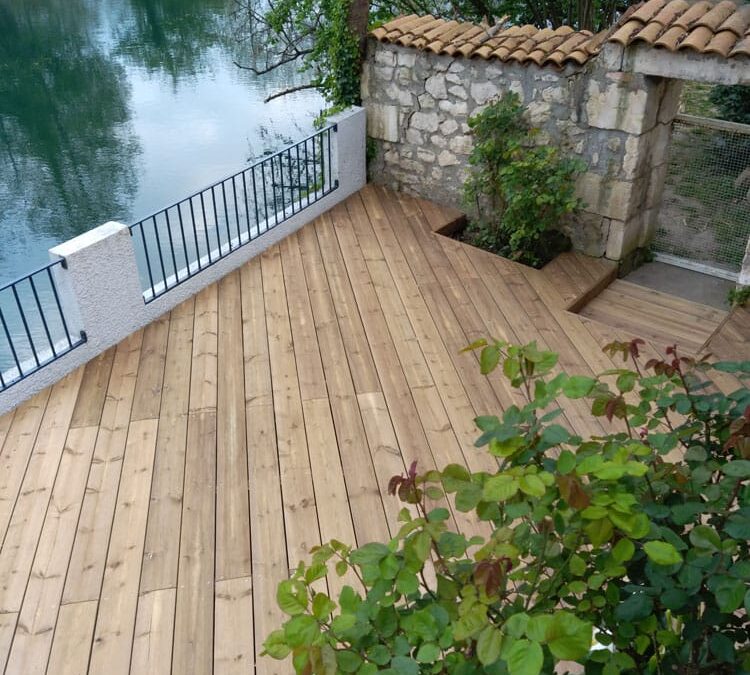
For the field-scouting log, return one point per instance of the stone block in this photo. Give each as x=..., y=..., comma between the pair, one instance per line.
x=589, y=232
x=670, y=101
x=454, y=108
x=385, y=57
x=447, y=158
x=439, y=141
x=424, y=121
x=482, y=92
x=538, y=112
x=426, y=102
x=461, y=145
x=435, y=86
x=399, y=94
x=608, y=196
x=657, y=178
x=384, y=73
x=448, y=127
x=623, y=238
x=554, y=95
x=413, y=137
x=622, y=101
x=407, y=57
x=382, y=122
x=458, y=92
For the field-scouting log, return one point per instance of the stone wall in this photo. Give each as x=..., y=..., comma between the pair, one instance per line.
x=618, y=122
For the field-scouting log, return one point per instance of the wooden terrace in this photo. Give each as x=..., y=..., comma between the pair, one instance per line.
x=151, y=501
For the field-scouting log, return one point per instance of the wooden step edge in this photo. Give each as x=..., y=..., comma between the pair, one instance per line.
x=455, y=222
x=706, y=346
x=604, y=280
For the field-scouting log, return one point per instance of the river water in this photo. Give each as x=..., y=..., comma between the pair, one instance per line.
x=112, y=109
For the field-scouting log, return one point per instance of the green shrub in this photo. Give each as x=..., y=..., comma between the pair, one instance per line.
x=732, y=102
x=520, y=192
x=638, y=539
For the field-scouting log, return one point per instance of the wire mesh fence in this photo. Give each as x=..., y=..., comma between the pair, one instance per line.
x=705, y=211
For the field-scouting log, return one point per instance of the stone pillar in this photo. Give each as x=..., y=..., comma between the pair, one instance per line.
x=744, y=279
x=622, y=189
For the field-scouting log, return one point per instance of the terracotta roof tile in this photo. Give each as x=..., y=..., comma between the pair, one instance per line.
x=706, y=26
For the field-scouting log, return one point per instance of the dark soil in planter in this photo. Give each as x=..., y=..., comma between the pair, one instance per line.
x=551, y=245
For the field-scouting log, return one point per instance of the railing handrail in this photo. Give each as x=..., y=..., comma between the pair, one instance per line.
x=713, y=123
x=42, y=268
x=249, y=167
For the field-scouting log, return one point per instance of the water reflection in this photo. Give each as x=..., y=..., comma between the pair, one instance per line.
x=67, y=153
x=112, y=109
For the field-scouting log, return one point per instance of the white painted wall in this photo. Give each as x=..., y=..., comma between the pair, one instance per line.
x=101, y=290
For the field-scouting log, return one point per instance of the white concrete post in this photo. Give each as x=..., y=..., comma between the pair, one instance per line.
x=100, y=287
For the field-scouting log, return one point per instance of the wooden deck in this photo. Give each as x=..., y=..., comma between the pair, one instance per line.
x=151, y=501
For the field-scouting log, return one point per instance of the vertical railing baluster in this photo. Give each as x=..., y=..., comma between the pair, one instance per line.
x=184, y=240
x=145, y=254
x=205, y=229
x=236, y=209
x=247, y=204
x=11, y=345
x=307, y=174
x=42, y=317
x=291, y=178
x=226, y=215
x=25, y=324
x=330, y=163
x=315, y=162
x=281, y=183
x=195, y=235
x=265, y=197
x=161, y=257
x=171, y=249
x=59, y=307
x=299, y=177
x=216, y=219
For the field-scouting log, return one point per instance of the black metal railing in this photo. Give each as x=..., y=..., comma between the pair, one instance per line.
x=34, y=330
x=178, y=242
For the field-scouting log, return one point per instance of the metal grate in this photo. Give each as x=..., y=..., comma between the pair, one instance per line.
x=34, y=330
x=181, y=240
x=704, y=219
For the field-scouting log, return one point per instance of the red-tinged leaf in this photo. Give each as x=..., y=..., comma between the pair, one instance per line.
x=573, y=492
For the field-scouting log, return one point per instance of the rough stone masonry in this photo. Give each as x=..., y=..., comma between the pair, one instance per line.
x=618, y=122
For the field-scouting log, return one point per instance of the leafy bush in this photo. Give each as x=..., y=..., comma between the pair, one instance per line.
x=732, y=102
x=520, y=192
x=637, y=539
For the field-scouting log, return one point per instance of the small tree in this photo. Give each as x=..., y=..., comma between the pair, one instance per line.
x=520, y=192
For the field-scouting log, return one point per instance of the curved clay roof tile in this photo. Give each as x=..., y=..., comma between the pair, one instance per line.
x=670, y=12
x=741, y=48
x=717, y=15
x=738, y=22
x=646, y=12
x=625, y=34
x=692, y=15
x=697, y=39
x=721, y=43
x=650, y=33
x=671, y=38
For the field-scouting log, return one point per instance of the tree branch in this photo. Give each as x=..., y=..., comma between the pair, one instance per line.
x=290, y=90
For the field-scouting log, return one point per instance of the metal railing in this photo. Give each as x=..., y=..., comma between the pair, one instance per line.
x=179, y=241
x=34, y=330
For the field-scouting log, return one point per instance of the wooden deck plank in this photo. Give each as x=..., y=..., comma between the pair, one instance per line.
x=300, y=514
x=154, y=628
x=18, y=447
x=235, y=652
x=194, y=614
x=362, y=486
x=38, y=616
x=26, y=523
x=93, y=391
x=7, y=628
x=71, y=645
x=269, y=556
x=115, y=622
x=148, y=386
x=84, y=579
x=161, y=554
x=232, y=508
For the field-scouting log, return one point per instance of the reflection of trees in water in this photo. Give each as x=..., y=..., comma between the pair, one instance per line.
x=173, y=36
x=66, y=155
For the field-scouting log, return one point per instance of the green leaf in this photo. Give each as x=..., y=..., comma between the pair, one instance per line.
x=662, y=553
x=722, y=647
x=275, y=645
x=489, y=359
x=301, y=631
x=451, y=544
x=343, y=623
x=623, y=550
x=578, y=386
x=568, y=637
x=348, y=661
x=599, y=531
x=555, y=434
x=525, y=658
x=291, y=597
x=322, y=606
x=403, y=665
x=369, y=554
x=739, y=468
x=637, y=606
x=729, y=593
x=379, y=654
x=488, y=645
x=537, y=627
x=468, y=496
x=626, y=382
x=705, y=537
x=532, y=485
x=429, y=652
x=499, y=488
x=577, y=565
x=566, y=462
